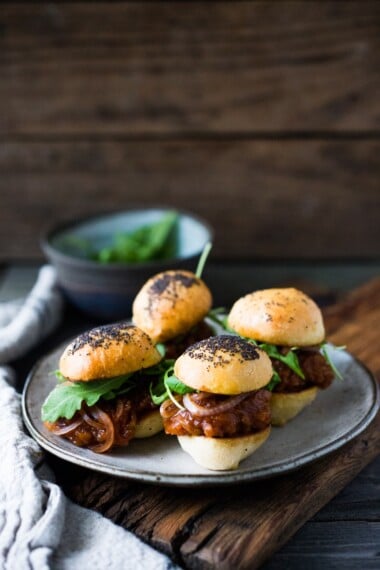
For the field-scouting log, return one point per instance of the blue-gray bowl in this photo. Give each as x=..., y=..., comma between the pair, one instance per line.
x=106, y=291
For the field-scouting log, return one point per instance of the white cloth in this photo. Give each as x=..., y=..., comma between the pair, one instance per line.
x=39, y=527
x=24, y=324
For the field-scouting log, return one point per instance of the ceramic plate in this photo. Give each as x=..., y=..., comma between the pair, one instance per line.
x=337, y=415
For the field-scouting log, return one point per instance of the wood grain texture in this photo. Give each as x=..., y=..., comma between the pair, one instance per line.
x=331, y=545
x=206, y=67
x=242, y=527
x=360, y=501
x=264, y=198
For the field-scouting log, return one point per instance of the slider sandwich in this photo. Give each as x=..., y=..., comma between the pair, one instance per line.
x=288, y=325
x=102, y=399
x=171, y=308
x=216, y=402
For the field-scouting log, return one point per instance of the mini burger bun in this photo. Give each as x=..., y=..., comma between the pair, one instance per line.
x=108, y=351
x=285, y=317
x=170, y=304
x=220, y=454
x=286, y=406
x=224, y=364
x=150, y=424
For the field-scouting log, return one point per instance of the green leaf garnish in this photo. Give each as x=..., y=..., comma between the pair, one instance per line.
x=175, y=385
x=325, y=353
x=153, y=241
x=290, y=359
x=158, y=391
x=68, y=397
x=203, y=259
x=58, y=374
x=168, y=374
x=161, y=349
x=273, y=381
x=164, y=387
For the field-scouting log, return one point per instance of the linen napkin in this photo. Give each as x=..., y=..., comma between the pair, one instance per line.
x=39, y=527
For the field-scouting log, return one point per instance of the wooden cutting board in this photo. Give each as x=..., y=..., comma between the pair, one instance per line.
x=240, y=527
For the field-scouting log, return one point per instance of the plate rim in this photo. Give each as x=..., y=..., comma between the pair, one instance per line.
x=220, y=478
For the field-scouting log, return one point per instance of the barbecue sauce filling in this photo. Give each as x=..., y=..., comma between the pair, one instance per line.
x=110, y=423
x=215, y=415
x=316, y=370
x=249, y=416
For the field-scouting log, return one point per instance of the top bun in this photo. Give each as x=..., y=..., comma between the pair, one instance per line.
x=108, y=351
x=170, y=304
x=224, y=364
x=284, y=317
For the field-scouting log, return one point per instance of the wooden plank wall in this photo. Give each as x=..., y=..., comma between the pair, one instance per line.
x=263, y=117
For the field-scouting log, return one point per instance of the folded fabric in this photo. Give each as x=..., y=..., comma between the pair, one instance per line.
x=39, y=527
x=25, y=323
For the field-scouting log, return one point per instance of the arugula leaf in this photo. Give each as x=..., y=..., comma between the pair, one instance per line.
x=161, y=349
x=325, y=353
x=290, y=359
x=166, y=385
x=175, y=385
x=202, y=260
x=152, y=241
x=158, y=391
x=273, y=381
x=170, y=373
x=58, y=374
x=67, y=397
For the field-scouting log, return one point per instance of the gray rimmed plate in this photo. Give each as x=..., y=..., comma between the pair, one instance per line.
x=337, y=415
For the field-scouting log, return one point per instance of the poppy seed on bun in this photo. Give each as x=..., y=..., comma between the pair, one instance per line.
x=170, y=304
x=106, y=352
x=224, y=364
x=282, y=316
x=287, y=318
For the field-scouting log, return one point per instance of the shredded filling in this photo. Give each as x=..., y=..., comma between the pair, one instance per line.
x=108, y=424
x=213, y=415
x=315, y=368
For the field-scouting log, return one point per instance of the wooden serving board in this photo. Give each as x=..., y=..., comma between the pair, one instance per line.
x=240, y=527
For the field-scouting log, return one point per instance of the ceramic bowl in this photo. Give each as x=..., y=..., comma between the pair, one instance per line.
x=106, y=291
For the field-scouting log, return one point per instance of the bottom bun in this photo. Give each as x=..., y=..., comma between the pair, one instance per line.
x=220, y=454
x=285, y=406
x=149, y=425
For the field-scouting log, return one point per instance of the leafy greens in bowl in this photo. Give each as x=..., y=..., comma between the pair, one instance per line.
x=103, y=261
x=155, y=240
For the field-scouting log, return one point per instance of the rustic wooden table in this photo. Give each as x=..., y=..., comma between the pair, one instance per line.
x=243, y=527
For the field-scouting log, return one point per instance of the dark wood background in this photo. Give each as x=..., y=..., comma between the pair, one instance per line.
x=263, y=117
